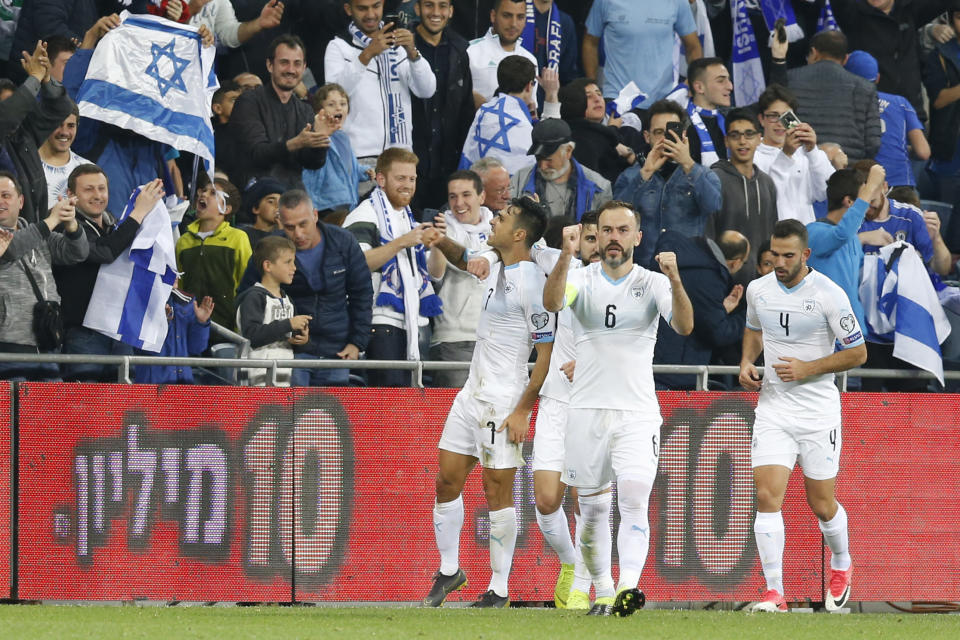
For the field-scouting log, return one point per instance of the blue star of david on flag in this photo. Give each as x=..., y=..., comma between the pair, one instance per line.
x=500, y=140
x=175, y=81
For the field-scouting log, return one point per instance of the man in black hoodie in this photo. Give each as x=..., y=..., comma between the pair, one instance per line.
x=749, y=195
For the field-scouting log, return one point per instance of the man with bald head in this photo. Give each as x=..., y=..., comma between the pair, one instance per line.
x=706, y=269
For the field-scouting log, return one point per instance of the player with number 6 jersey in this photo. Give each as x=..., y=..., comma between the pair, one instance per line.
x=804, y=325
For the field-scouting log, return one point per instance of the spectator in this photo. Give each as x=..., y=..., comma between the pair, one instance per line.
x=229, y=154
x=639, y=36
x=467, y=222
x=59, y=49
x=221, y=20
x=602, y=145
x=941, y=76
x=502, y=126
x=441, y=121
x=276, y=132
x=380, y=67
x=888, y=30
x=706, y=269
x=670, y=190
x=331, y=285
x=507, y=20
x=764, y=259
x=710, y=89
x=840, y=106
x=265, y=314
x=40, y=18
x=33, y=248
x=211, y=254
x=333, y=187
x=902, y=130
x=188, y=332
x=26, y=123
x=749, y=197
x=393, y=246
x=496, y=183
x=555, y=47
x=791, y=157
x=565, y=186
x=247, y=81
x=834, y=246
x=58, y=159
x=89, y=186
x=262, y=198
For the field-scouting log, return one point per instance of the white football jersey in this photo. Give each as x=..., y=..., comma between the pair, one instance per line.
x=618, y=328
x=513, y=319
x=804, y=322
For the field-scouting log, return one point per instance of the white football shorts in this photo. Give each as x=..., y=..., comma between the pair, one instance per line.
x=548, y=435
x=471, y=430
x=785, y=442
x=604, y=444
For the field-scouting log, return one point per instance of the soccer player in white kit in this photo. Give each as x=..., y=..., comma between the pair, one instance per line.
x=613, y=426
x=795, y=317
x=490, y=416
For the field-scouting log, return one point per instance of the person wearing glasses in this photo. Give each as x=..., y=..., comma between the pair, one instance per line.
x=749, y=195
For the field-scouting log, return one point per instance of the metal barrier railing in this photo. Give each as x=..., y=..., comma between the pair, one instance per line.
x=416, y=368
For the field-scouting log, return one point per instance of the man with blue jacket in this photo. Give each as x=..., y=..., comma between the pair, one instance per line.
x=332, y=284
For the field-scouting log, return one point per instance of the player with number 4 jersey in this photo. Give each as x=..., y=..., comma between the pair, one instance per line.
x=613, y=426
x=804, y=325
x=490, y=416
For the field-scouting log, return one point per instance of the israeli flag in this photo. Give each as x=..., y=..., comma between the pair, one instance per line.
x=901, y=306
x=153, y=76
x=503, y=129
x=130, y=297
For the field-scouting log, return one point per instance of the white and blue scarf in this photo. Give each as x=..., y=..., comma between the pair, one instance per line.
x=826, y=21
x=773, y=10
x=748, y=81
x=708, y=151
x=528, y=38
x=388, y=63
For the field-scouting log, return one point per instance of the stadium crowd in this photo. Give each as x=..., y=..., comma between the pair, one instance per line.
x=351, y=135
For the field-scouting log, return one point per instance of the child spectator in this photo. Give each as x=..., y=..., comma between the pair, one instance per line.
x=262, y=202
x=265, y=313
x=333, y=187
x=187, y=335
x=212, y=254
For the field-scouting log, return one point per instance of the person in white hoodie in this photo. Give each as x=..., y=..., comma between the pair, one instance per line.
x=799, y=168
x=379, y=66
x=467, y=222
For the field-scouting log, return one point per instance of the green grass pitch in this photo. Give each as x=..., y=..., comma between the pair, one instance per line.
x=226, y=623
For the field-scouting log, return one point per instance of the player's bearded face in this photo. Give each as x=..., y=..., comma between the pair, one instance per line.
x=589, y=245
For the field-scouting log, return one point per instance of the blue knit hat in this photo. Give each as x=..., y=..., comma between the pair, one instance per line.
x=863, y=64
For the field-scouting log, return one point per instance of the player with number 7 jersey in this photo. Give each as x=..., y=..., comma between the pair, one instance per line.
x=490, y=416
x=613, y=426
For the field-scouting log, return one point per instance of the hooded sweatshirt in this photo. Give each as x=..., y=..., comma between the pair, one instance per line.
x=749, y=206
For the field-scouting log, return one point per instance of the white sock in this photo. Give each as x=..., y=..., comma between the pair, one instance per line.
x=835, y=533
x=503, y=538
x=633, y=538
x=447, y=522
x=596, y=542
x=769, y=533
x=556, y=532
x=581, y=575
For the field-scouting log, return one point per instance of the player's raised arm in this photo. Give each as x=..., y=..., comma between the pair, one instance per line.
x=454, y=252
x=682, y=320
x=555, y=288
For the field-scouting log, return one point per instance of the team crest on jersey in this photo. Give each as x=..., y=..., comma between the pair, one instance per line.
x=540, y=320
x=637, y=291
x=809, y=305
x=508, y=287
x=901, y=235
x=848, y=322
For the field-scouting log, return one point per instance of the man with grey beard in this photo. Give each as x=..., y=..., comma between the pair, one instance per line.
x=565, y=186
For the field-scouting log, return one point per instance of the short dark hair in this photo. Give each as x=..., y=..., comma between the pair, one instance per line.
x=291, y=199
x=776, y=92
x=514, y=73
x=660, y=107
x=532, y=217
x=270, y=248
x=226, y=87
x=7, y=85
x=57, y=44
x=764, y=247
x=573, y=98
x=497, y=3
x=907, y=195
x=737, y=115
x=619, y=204
x=832, y=44
x=553, y=234
x=287, y=39
x=233, y=198
x=789, y=228
x=590, y=217
x=88, y=169
x=844, y=183
x=12, y=178
x=466, y=174
x=698, y=67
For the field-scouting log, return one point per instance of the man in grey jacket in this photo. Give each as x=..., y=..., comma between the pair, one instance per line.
x=35, y=247
x=840, y=106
